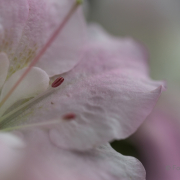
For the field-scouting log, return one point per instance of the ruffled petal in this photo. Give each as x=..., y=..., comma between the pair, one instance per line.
x=126, y=53
x=109, y=106
x=36, y=82
x=46, y=161
x=109, y=98
x=11, y=153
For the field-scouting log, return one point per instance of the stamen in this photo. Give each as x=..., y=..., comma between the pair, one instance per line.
x=57, y=82
x=35, y=125
x=8, y=118
x=43, y=125
x=44, y=49
x=69, y=116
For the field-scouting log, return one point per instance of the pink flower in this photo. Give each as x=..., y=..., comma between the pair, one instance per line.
x=106, y=93
x=158, y=143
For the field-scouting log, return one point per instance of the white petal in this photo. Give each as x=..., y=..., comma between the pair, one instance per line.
x=34, y=83
x=4, y=66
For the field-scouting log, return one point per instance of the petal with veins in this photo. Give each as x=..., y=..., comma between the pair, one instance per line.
x=13, y=16
x=109, y=97
x=36, y=82
x=4, y=66
x=46, y=161
x=11, y=153
x=64, y=53
x=26, y=25
x=32, y=37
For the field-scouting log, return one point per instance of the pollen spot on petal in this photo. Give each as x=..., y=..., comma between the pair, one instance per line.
x=57, y=82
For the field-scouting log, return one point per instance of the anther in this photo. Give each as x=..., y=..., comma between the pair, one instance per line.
x=57, y=82
x=42, y=125
x=69, y=116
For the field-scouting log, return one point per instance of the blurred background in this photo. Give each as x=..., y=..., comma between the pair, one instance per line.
x=155, y=23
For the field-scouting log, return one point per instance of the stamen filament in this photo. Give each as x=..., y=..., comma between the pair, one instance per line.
x=34, y=125
x=43, y=50
x=7, y=118
x=41, y=125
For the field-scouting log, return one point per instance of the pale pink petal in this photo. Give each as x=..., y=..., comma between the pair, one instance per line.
x=32, y=36
x=44, y=18
x=64, y=53
x=48, y=162
x=107, y=107
x=11, y=153
x=129, y=53
x=109, y=99
x=26, y=25
x=13, y=16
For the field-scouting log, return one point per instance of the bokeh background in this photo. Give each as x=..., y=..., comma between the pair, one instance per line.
x=155, y=23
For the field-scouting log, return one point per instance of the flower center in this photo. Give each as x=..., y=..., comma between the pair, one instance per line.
x=36, y=82
x=27, y=82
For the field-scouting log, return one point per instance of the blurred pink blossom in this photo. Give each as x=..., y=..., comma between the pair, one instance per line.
x=158, y=144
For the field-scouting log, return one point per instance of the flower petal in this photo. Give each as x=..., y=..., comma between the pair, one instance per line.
x=32, y=37
x=159, y=136
x=47, y=161
x=4, y=66
x=44, y=17
x=109, y=97
x=124, y=51
x=25, y=27
x=34, y=83
x=64, y=53
x=13, y=16
x=10, y=154
x=107, y=107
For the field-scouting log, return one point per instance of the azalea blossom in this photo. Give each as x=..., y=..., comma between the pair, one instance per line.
x=66, y=126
